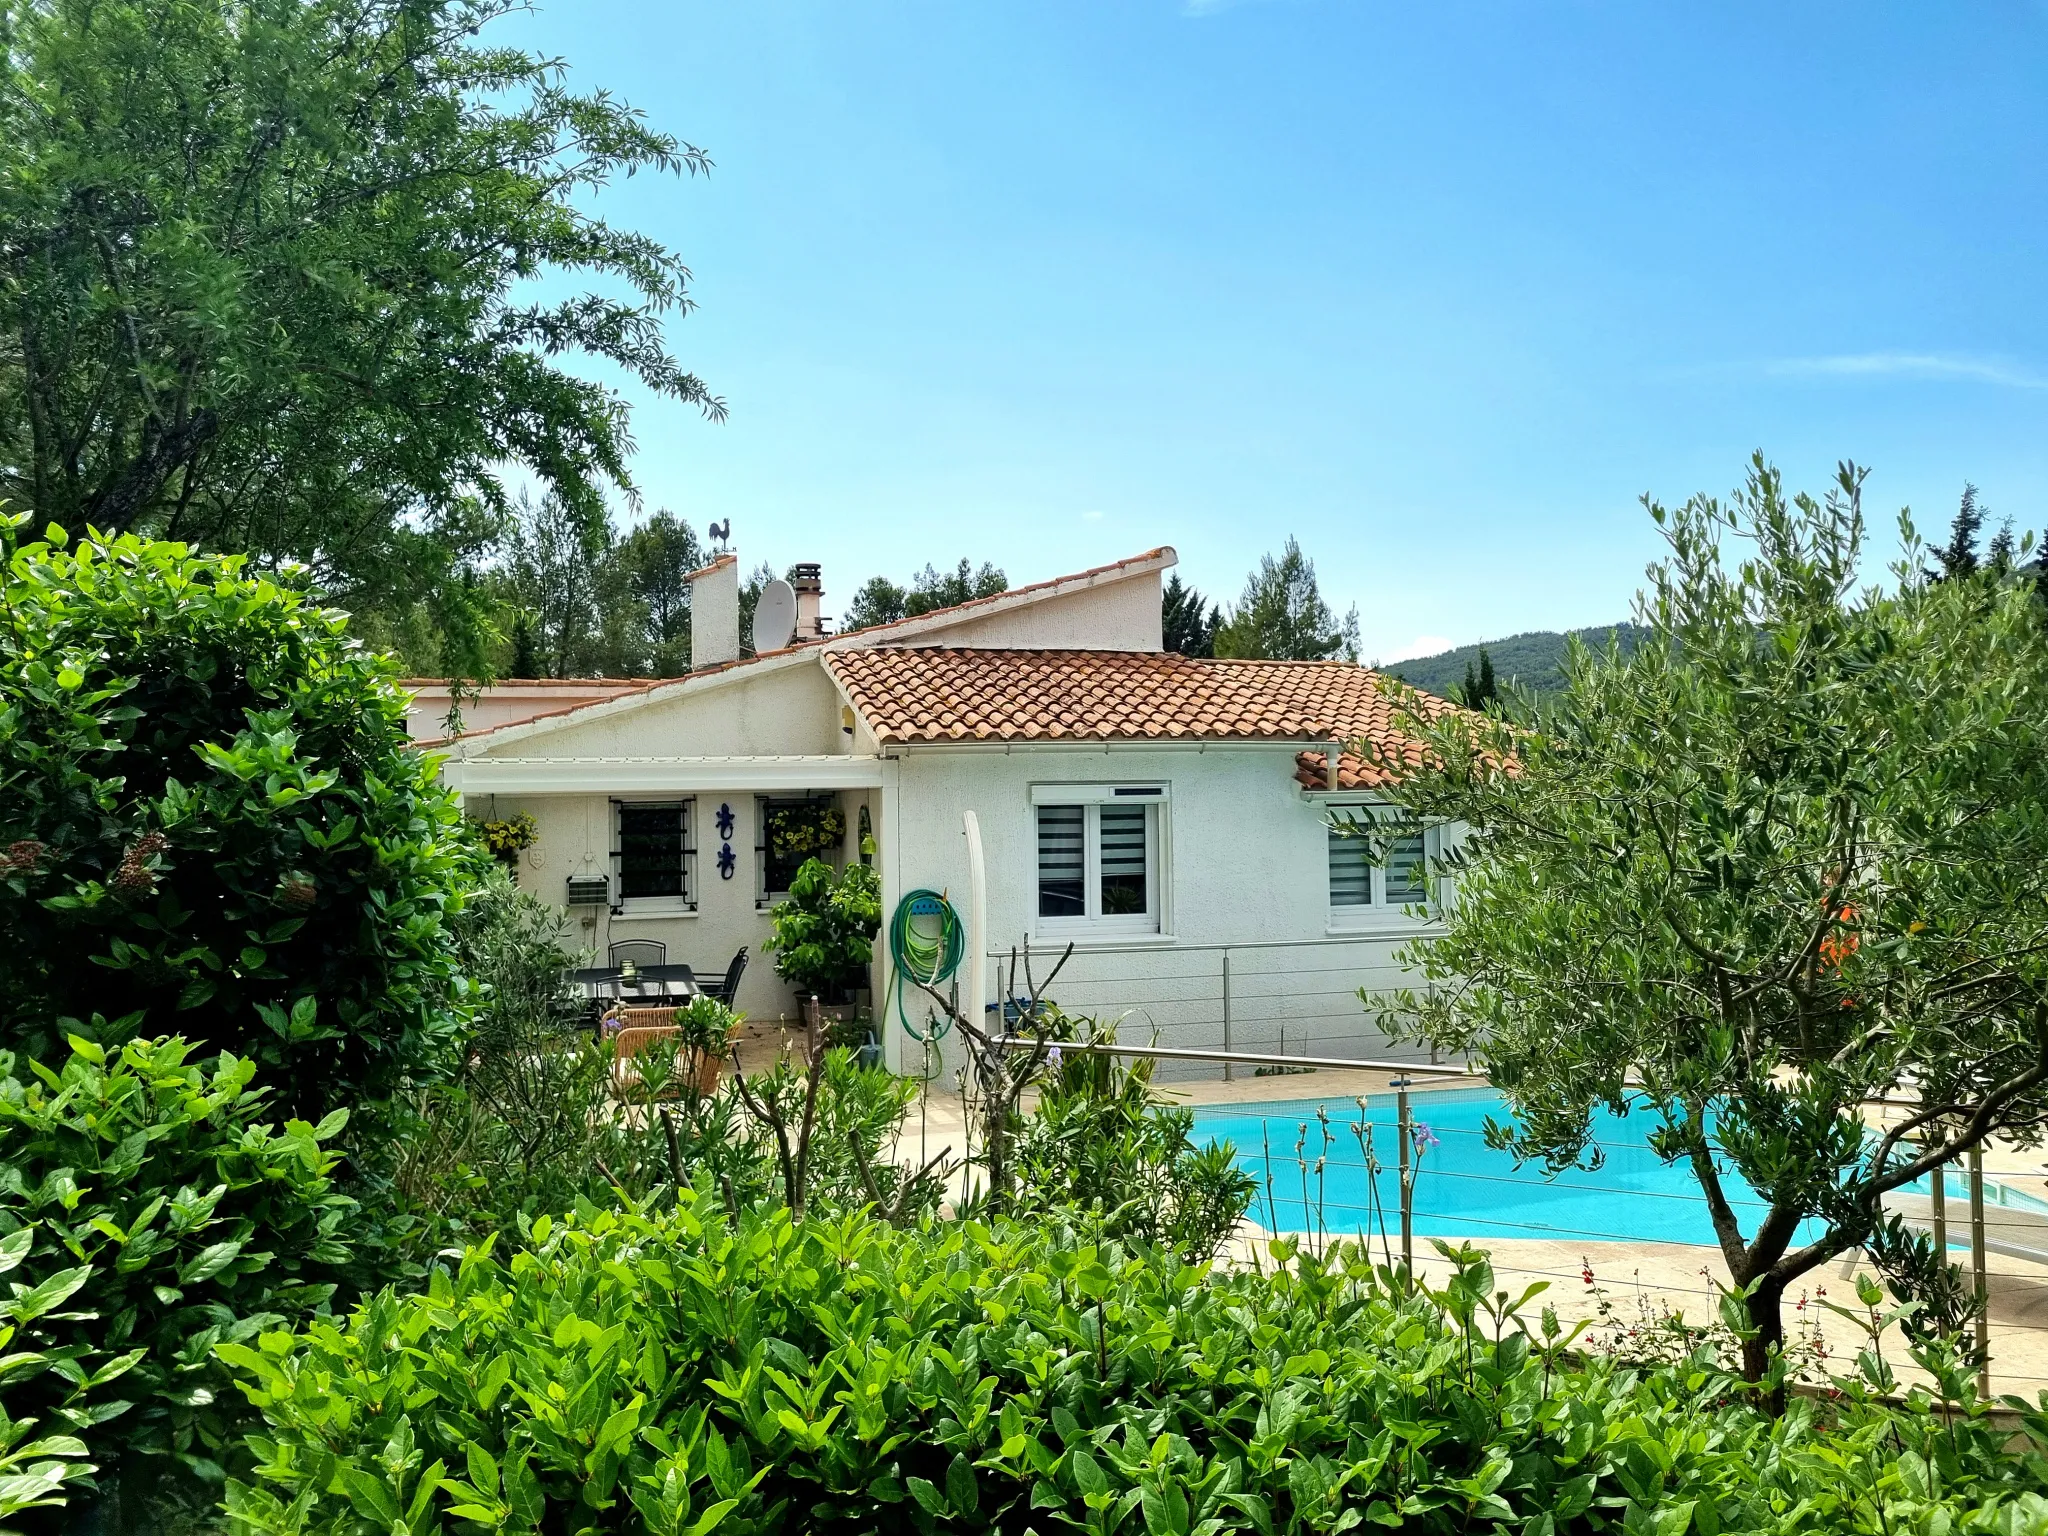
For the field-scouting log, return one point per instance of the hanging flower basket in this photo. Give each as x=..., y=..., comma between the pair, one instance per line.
x=806, y=831
x=506, y=838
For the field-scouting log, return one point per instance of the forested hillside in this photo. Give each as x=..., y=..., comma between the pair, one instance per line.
x=1535, y=659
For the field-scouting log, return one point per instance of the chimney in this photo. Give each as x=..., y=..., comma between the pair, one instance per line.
x=809, y=586
x=715, y=613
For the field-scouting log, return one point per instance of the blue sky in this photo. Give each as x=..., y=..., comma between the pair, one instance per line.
x=1439, y=289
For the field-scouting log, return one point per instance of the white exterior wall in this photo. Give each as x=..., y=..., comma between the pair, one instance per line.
x=783, y=709
x=575, y=837
x=1117, y=615
x=1244, y=870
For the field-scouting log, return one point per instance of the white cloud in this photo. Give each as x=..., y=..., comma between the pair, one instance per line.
x=1914, y=365
x=1091, y=517
x=1421, y=645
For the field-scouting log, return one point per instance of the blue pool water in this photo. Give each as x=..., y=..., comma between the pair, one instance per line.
x=1464, y=1188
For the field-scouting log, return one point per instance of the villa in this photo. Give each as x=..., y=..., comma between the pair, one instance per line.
x=1169, y=817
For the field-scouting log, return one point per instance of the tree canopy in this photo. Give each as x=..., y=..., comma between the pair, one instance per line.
x=267, y=283
x=1480, y=687
x=1282, y=615
x=882, y=601
x=1787, y=856
x=575, y=598
x=1187, y=620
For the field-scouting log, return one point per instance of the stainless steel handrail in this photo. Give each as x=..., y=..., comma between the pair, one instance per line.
x=1427, y=1070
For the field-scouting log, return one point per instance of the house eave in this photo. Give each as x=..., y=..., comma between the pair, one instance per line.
x=1100, y=744
x=656, y=775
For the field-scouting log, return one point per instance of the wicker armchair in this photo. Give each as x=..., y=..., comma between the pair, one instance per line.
x=645, y=1029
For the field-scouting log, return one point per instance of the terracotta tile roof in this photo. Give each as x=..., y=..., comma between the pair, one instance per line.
x=1311, y=769
x=629, y=686
x=938, y=694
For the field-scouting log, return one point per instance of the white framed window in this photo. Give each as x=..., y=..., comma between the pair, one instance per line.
x=1098, y=857
x=1382, y=866
x=654, y=855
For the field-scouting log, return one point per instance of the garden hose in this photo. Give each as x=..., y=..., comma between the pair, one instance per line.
x=926, y=944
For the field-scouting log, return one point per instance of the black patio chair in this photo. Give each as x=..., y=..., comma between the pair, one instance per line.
x=725, y=991
x=642, y=952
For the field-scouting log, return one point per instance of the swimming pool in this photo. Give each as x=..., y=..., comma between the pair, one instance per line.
x=1464, y=1188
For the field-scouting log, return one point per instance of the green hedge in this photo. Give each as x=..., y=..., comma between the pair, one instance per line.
x=672, y=1374
x=210, y=816
x=147, y=1213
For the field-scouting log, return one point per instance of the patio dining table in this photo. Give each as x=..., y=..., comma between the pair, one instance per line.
x=650, y=986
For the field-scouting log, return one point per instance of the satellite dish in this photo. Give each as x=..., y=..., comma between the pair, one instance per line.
x=774, y=617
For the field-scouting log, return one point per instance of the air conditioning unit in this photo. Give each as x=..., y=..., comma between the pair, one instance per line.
x=590, y=890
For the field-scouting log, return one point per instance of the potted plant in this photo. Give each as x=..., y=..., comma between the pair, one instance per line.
x=824, y=932
x=687, y=1053
x=704, y=1031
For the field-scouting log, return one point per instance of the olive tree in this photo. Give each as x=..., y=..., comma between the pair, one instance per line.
x=1785, y=860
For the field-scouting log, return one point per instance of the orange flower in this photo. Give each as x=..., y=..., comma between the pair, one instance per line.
x=1837, y=947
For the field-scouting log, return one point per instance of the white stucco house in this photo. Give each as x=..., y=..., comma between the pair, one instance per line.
x=1167, y=816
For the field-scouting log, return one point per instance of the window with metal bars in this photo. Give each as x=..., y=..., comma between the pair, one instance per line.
x=654, y=858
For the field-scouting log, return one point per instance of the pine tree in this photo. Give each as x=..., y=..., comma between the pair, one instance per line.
x=1282, y=615
x=1959, y=556
x=1479, y=688
x=525, y=653
x=2003, y=551
x=881, y=601
x=1187, y=621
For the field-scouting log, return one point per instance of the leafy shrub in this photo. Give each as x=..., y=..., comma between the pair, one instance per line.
x=825, y=929
x=677, y=1373
x=210, y=818
x=705, y=1024
x=146, y=1214
x=547, y=1135
x=527, y=1124
x=820, y=1134
x=40, y=1473
x=1100, y=1140
x=531, y=1125
x=509, y=947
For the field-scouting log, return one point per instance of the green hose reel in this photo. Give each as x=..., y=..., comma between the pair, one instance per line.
x=926, y=944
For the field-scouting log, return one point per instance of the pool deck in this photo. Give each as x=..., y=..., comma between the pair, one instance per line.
x=1633, y=1282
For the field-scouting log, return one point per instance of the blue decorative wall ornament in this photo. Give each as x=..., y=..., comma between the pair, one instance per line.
x=726, y=862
